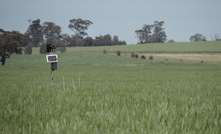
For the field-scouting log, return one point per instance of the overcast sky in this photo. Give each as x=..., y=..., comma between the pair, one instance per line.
x=182, y=18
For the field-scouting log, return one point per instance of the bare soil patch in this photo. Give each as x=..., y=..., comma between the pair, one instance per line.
x=213, y=58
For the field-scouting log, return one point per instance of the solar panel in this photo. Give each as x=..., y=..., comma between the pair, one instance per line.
x=52, y=58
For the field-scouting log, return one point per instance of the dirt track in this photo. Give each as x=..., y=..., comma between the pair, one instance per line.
x=213, y=58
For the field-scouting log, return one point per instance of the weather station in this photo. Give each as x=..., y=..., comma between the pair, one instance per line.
x=52, y=58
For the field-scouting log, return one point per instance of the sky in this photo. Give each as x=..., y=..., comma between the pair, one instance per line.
x=183, y=18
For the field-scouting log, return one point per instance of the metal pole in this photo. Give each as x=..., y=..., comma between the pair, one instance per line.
x=52, y=80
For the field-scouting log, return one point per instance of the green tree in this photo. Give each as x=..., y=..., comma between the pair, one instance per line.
x=28, y=49
x=115, y=40
x=52, y=33
x=67, y=39
x=159, y=35
x=122, y=43
x=87, y=41
x=43, y=49
x=118, y=53
x=75, y=41
x=107, y=40
x=198, y=37
x=34, y=34
x=153, y=33
x=55, y=41
x=144, y=34
x=10, y=42
x=71, y=41
x=79, y=26
x=99, y=41
x=102, y=40
x=51, y=29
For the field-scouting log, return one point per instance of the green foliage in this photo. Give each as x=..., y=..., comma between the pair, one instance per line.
x=115, y=40
x=143, y=57
x=28, y=49
x=132, y=55
x=43, y=49
x=10, y=42
x=50, y=33
x=118, y=53
x=35, y=33
x=79, y=26
x=88, y=41
x=151, y=58
x=102, y=40
x=197, y=37
x=104, y=51
x=138, y=96
x=50, y=29
x=153, y=33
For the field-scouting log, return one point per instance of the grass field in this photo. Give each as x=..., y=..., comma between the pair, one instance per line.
x=179, y=47
x=187, y=52
x=98, y=93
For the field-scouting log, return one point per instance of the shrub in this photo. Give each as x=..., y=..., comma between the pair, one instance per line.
x=28, y=49
x=151, y=58
x=104, y=51
x=132, y=55
x=143, y=57
x=136, y=56
x=118, y=53
x=43, y=49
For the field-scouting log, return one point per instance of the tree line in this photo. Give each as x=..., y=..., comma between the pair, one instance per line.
x=38, y=35
x=50, y=33
x=155, y=33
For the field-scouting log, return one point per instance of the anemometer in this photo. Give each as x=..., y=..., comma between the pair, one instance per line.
x=52, y=58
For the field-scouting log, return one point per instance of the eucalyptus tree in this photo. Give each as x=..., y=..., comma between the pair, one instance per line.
x=197, y=37
x=153, y=33
x=34, y=34
x=52, y=34
x=10, y=42
x=115, y=40
x=79, y=26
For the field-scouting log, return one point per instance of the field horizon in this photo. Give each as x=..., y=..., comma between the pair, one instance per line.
x=187, y=52
x=176, y=47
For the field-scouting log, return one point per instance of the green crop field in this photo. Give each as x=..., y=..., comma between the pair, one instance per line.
x=183, y=47
x=97, y=93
